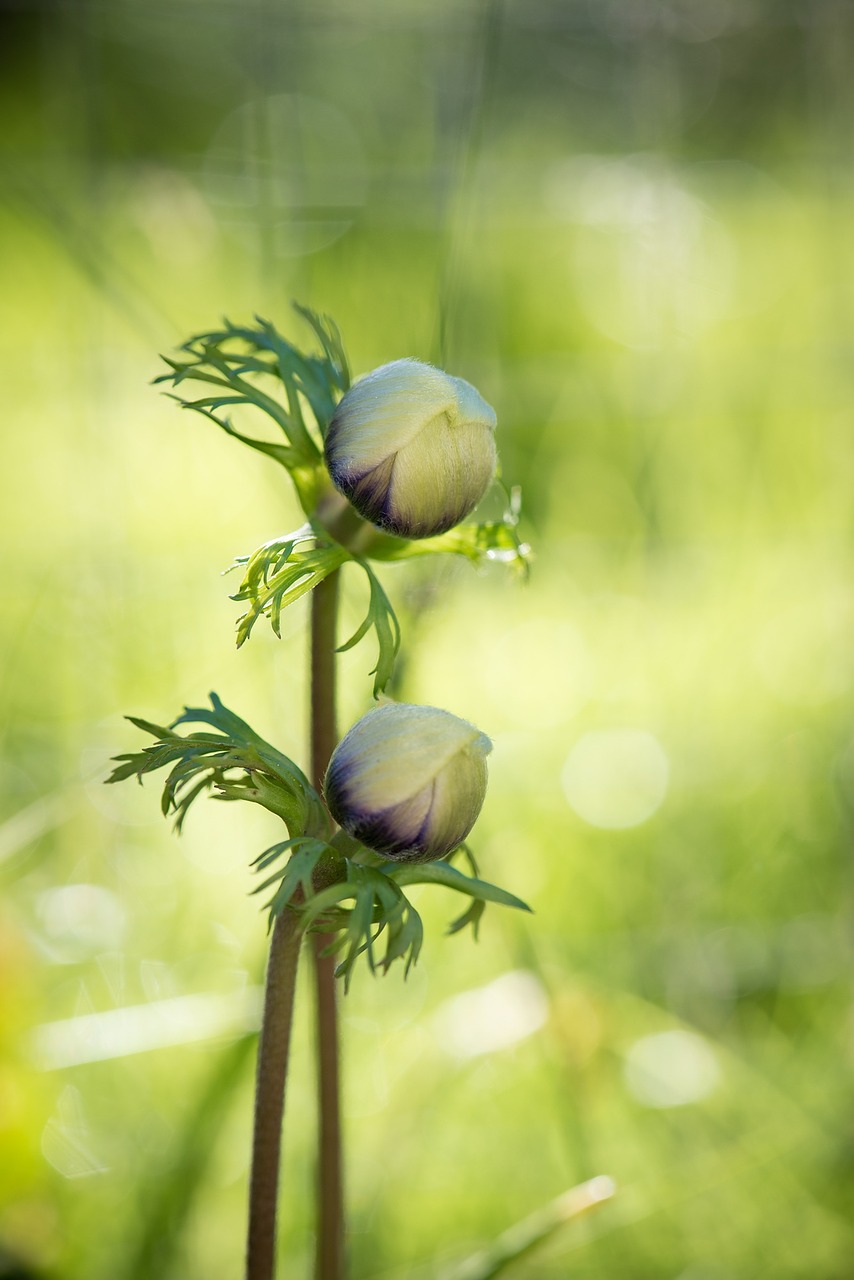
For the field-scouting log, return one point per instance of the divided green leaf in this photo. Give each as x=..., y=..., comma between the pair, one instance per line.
x=278, y=574
x=234, y=763
x=255, y=367
x=375, y=887
x=444, y=874
x=284, y=569
x=382, y=618
x=379, y=907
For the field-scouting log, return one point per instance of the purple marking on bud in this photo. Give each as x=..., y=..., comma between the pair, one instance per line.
x=412, y=448
x=408, y=781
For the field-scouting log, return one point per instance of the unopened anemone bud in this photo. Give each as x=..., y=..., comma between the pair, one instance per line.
x=408, y=781
x=412, y=448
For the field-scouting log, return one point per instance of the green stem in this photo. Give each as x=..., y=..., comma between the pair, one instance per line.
x=273, y=1053
x=329, y=1255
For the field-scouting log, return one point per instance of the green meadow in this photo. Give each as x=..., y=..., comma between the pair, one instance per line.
x=629, y=225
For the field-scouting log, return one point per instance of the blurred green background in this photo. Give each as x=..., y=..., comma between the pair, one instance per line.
x=628, y=222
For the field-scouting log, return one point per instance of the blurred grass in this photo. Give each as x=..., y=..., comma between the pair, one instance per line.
x=632, y=233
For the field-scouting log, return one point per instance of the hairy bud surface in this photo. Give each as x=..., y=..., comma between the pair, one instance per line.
x=412, y=448
x=408, y=781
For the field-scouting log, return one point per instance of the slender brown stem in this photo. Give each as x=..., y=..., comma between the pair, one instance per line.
x=329, y=1255
x=274, y=1046
x=324, y=730
x=329, y=1251
x=273, y=1053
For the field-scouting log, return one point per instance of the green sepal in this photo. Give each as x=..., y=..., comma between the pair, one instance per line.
x=233, y=764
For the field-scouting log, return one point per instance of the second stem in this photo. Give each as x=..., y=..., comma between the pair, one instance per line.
x=329, y=1255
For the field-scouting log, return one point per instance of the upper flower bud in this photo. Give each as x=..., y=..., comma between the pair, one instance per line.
x=412, y=448
x=408, y=781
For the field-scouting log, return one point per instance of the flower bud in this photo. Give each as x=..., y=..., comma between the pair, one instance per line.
x=412, y=448
x=408, y=781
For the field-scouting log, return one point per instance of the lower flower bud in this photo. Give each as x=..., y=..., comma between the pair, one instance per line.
x=408, y=781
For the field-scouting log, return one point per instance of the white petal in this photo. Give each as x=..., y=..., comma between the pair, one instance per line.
x=441, y=475
x=394, y=751
x=457, y=799
x=383, y=411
